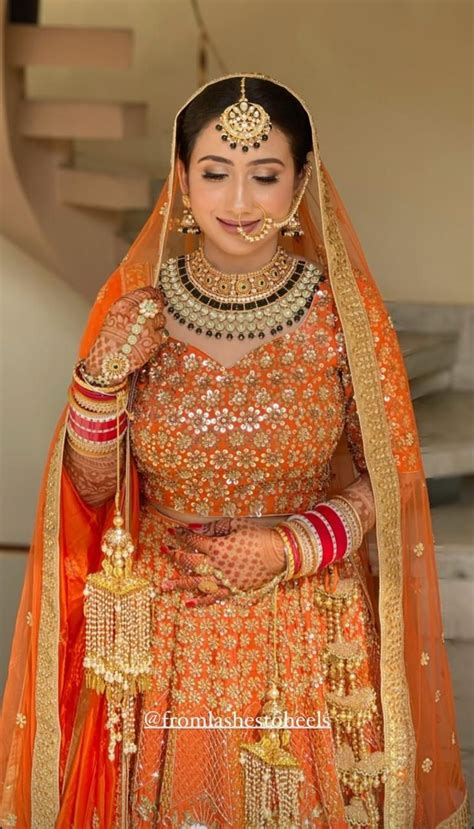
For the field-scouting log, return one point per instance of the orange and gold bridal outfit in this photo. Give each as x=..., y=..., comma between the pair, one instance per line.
x=254, y=439
x=289, y=423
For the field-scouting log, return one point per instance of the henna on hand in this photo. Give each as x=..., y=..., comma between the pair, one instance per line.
x=117, y=327
x=95, y=478
x=248, y=556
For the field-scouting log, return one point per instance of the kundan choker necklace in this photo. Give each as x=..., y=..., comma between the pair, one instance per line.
x=238, y=305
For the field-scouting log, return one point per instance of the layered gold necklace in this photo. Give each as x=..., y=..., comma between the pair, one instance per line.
x=238, y=305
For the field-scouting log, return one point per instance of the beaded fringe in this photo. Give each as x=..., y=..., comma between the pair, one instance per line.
x=118, y=634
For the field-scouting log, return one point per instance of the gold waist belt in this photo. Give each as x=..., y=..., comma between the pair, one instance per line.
x=267, y=517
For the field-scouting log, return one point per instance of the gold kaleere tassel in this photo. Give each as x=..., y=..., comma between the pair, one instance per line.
x=117, y=608
x=271, y=773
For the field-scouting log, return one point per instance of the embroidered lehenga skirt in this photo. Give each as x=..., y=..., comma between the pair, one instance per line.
x=211, y=671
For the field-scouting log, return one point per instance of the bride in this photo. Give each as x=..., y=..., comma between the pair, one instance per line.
x=238, y=422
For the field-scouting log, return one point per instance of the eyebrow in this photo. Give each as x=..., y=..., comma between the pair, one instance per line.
x=231, y=163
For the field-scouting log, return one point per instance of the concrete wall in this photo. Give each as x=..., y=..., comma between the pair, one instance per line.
x=389, y=86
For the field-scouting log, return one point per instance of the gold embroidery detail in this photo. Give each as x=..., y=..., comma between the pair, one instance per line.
x=400, y=750
x=10, y=819
x=437, y=695
x=427, y=764
x=20, y=720
x=425, y=658
x=459, y=819
x=219, y=664
x=224, y=450
x=146, y=809
x=419, y=549
x=29, y=618
x=45, y=765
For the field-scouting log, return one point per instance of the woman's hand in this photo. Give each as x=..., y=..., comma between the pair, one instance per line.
x=133, y=316
x=247, y=555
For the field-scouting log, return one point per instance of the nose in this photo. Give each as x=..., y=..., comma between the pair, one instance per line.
x=239, y=200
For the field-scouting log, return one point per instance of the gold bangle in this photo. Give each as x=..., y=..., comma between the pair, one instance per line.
x=92, y=415
x=86, y=453
x=352, y=512
x=290, y=559
x=89, y=454
x=87, y=404
x=307, y=548
x=308, y=544
x=353, y=519
x=82, y=380
x=90, y=447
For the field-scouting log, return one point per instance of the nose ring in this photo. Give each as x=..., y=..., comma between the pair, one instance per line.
x=267, y=223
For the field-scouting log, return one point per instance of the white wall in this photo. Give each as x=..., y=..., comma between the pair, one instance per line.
x=41, y=320
x=41, y=323
x=389, y=83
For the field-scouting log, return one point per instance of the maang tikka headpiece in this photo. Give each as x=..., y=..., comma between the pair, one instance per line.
x=244, y=123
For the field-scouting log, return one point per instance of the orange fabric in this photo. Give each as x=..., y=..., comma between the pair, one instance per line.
x=53, y=771
x=255, y=438
x=206, y=661
x=272, y=425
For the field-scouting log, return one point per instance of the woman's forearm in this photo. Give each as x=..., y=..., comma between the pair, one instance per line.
x=330, y=531
x=360, y=495
x=95, y=478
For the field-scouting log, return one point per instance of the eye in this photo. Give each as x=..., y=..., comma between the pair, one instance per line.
x=214, y=176
x=266, y=179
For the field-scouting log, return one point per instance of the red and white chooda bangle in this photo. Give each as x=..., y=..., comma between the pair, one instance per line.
x=92, y=421
x=332, y=529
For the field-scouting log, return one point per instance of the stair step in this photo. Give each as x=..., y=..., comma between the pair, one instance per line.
x=446, y=428
x=453, y=527
x=427, y=353
x=431, y=383
x=68, y=46
x=460, y=657
x=77, y=119
x=108, y=191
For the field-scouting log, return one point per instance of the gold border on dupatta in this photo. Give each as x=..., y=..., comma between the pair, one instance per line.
x=45, y=799
x=399, y=738
x=459, y=819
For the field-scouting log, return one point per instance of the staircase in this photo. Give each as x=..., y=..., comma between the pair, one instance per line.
x=68, y=219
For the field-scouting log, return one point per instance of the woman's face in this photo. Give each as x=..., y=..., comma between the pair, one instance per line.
x=227, y=185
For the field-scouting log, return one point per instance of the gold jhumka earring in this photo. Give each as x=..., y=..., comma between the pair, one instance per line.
x=188, y=223
x=293, y=227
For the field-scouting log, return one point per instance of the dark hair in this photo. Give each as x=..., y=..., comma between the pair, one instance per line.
x=284, y=109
